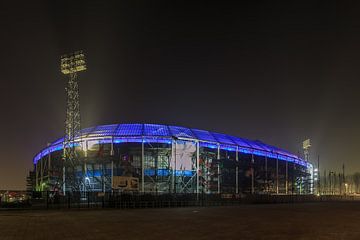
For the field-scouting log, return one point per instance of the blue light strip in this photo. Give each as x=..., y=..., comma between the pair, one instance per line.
x=128, y=140
x=140, y=140
x=166, y=172
x=228, y=148
x=49, y=150
x=134, y=133
x=157, y=140
x=208, y=145
x=256, y=152
x=244, y=150
x=105, y=141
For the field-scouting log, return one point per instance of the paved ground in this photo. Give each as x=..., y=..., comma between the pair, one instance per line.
x=281, y=221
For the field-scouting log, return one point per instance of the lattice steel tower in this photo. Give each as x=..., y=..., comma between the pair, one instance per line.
x=71, y=64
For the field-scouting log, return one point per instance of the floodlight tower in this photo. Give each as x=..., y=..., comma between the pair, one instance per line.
x=71, y=64
x=306, y=148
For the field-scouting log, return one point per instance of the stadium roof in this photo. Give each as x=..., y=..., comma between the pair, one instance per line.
x=165, y=133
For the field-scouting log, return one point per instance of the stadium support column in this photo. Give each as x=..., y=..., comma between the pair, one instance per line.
x=142, y=167
x=237, y=171
x=174, y=172
x=252, y=174
x=172, y=187
x=49, y=167
x=103, y=177
x=197, y=168
x=112, y=174
x=85, y=175
x=218, y=169
x=85, y=149
x=286, y=177
x=112, y=163
x=266, y=175
x=277, y=174
x=64, y=185
x=36, y=175
x=41, y=173
x=293, y=179
x=112, y=147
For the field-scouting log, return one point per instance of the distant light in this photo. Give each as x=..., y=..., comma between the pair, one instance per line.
x=74, y=62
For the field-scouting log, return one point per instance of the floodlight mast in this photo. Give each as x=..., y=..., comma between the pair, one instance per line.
x=71, y=64
x=306, y=148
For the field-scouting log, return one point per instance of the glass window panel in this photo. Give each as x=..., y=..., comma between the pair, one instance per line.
x=181, y=132
x=203, y=135
x=129, y=130
x=253, y=144
x=240, y=142
x=84, y=132
x=104, y=130
x=156, y=130
x=222, y=138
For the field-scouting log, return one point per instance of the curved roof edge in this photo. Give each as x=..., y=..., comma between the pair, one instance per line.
x=163, y=133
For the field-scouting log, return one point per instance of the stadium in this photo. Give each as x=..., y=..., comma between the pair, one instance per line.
x=153, y=158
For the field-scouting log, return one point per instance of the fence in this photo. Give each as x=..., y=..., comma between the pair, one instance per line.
x=71, y=200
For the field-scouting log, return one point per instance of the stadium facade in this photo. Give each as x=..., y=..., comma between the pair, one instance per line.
x=154, y=158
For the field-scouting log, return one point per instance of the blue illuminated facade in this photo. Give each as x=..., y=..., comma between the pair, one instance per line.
x=176, y=159
x=165, y=134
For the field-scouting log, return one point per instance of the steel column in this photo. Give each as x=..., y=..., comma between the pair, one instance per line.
x=277, y=175
x=197, y=168
x=112, y=147
x=142, y=167
x=252, y=174
x=237, y=171
x=36, y=176
x=64, y=184
x=49, y=166
x=112, y=174
x=41, y=173
x=103, y=177
x=86, y=148
x=85, y=175
x=286, y=177
x=218, y=169
x=266, y=175
x=174, y=172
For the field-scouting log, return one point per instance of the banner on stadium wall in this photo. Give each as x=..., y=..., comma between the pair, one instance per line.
x=125, y=183
x=182, y=154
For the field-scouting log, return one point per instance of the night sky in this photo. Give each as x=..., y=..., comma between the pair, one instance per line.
x=276, y=71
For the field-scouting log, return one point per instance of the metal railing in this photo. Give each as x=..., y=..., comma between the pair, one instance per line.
x=89, y=200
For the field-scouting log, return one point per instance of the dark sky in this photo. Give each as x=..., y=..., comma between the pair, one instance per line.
x=278, y=71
